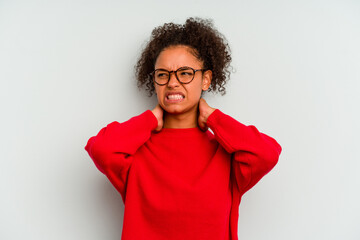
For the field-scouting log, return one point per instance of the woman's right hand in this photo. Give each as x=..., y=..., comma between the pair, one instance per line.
x=158, y=112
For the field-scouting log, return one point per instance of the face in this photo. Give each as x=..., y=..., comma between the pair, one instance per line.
x=176, y=97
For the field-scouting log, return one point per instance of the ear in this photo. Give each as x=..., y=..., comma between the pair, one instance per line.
x=207, y=77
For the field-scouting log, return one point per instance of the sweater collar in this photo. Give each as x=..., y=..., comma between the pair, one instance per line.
x=181, y=132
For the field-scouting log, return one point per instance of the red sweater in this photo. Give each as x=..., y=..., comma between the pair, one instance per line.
x=182, y=183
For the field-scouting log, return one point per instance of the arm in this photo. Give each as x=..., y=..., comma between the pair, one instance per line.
x=254, y=153
x=111, y=147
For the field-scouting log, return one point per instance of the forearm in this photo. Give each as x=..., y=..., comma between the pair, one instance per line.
x=235, y=136
x=254, y=153
x=120, y=138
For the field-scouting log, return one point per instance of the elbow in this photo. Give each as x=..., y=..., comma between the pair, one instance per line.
x=273, y=154
x=97, y=152
x=89, y=145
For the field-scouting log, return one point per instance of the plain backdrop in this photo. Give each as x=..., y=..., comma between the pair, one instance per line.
x=67, y=70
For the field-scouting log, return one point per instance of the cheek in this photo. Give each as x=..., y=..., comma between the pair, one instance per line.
x=196, y=91
x=159, y=95
x=157, y=91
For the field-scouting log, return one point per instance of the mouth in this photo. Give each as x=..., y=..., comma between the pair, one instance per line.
x=175, y=97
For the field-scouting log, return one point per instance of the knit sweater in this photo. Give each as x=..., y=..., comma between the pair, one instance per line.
x=182, y=183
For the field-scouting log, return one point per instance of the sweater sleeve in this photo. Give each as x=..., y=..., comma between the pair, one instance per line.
x=254, y=153
x=112, y=147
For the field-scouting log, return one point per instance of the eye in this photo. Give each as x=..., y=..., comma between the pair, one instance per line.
x=161, y=74
x=186, y=72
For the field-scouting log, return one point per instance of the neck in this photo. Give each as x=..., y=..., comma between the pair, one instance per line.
x=184, y=120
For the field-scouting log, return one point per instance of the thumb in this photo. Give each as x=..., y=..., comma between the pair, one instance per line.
x=158, y=112
x=202, y=124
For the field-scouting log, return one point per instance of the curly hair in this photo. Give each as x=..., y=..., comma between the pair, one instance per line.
x=208, y=44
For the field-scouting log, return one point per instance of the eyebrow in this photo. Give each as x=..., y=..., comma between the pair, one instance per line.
x=173, y=70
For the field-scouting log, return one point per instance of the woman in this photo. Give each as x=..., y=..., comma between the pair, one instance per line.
x=177, y=179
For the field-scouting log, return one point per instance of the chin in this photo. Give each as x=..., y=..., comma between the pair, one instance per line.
x=177, y=109
x=174, y=109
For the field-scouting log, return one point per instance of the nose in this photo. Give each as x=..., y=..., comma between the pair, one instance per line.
x=173, y=82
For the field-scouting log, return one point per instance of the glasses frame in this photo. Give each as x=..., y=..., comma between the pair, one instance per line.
x=175, y=72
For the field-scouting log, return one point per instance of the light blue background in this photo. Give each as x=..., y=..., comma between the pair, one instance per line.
x=66, y=70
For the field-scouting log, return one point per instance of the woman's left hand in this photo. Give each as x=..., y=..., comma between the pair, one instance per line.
x=204, y=112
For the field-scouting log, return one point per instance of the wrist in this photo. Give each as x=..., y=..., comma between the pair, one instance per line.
x=209, y=112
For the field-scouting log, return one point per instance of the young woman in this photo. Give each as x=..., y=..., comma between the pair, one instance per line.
x=176, y=178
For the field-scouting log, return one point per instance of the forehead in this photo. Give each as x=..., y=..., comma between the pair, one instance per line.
x=174, y=57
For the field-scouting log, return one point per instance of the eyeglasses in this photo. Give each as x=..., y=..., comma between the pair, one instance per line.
x=183, y=75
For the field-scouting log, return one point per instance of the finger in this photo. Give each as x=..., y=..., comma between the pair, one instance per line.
x=204, y=128
x=201, y=124
x=202, y=100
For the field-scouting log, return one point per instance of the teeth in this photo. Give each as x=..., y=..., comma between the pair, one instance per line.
x=175, y=97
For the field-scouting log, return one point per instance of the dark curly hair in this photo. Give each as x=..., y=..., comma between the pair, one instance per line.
x=210, y=47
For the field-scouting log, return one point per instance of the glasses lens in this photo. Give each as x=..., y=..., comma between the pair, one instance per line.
x=161, y=76
x=185, y=75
